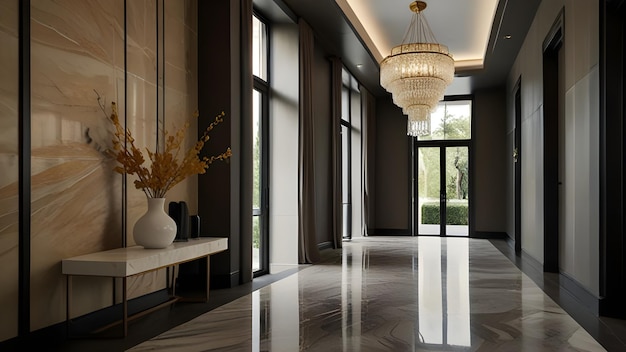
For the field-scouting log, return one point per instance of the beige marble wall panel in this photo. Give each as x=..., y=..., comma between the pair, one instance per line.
x=76, y=197
x=78, y=47
x=181, y=99
x=179, y=45
x=141, y=87
x=141, y=38
x=9, y=207
x=180, y=50
x=142, y=116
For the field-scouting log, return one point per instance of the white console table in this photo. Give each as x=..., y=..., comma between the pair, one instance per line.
x=126, y=262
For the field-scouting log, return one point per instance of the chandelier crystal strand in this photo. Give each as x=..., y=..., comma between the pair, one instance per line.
x=417, y=73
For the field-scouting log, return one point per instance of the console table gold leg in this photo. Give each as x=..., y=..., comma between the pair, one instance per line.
x=174, y=270
x=208, y=276
x=68, y=299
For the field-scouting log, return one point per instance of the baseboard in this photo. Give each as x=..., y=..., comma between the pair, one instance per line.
x=614, y=308
x=87, y=324
x=534, y=269
x=532, y=262
x=95, y=320
x=510, y=242
x=225, y=280
x=389, y=232
x=490, y=235
x=588, y=299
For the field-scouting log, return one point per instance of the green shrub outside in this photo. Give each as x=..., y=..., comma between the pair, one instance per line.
x=457, y=213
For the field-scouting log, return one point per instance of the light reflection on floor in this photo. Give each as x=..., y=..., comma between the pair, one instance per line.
x=390, y=294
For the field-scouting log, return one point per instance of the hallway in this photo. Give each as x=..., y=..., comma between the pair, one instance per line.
x=396, y=294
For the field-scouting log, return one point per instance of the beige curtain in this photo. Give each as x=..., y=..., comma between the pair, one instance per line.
x=308, y=251
x=337, y=214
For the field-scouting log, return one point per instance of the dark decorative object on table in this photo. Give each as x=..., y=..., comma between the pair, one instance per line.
x=180, y=213
x=195, y=226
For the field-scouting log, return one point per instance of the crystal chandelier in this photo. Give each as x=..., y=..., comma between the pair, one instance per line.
x=417, y=72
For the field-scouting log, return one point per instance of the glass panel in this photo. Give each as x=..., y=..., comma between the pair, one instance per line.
x=429, y=185
x=345, y=181
x=256, y=178
x=451, y=120
x=256, y=149
x=256, y=243
x=345, y=104
x=259, y=49
x=346, y=77
x=457, y=191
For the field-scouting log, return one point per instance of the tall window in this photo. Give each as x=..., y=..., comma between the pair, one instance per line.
x=451, y=120
x=260, y=111
x=442, y=167
x=350, y=112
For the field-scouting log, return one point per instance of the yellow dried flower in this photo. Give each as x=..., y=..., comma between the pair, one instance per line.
x=167, y=168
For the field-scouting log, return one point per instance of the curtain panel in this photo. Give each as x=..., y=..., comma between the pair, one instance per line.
x=308, y=252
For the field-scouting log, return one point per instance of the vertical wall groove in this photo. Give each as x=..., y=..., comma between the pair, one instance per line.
x=24, y=168
x=161, y=65
x=125, y=177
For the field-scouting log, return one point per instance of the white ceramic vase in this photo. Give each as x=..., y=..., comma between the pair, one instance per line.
x=155, y=229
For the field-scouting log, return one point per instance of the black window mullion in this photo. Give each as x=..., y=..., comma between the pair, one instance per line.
x=24, y=185
x=263, y=87
x=443, y=196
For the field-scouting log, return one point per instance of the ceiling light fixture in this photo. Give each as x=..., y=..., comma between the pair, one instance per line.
x=417, y=72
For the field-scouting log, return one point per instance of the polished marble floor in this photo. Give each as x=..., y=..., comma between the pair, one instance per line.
x=378, y=294
x=390, y=294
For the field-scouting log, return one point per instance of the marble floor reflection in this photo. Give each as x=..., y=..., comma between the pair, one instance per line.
x=390, y=294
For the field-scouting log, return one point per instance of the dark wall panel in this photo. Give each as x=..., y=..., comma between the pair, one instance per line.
x=392, y=168
x=490, y=160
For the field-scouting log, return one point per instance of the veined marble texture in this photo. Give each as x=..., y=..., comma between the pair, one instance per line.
x=78, y=46
x=391, y=294
x=9, y=172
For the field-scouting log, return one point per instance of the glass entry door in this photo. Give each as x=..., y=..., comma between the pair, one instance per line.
x=442, y=190
x=429, y=191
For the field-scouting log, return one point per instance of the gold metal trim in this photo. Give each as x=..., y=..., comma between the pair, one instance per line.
x=417, y=6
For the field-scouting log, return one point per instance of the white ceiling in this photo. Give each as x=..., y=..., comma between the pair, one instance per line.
x=362, y=32
x=463, y=25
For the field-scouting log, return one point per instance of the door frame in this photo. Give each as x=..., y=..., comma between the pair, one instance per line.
x=517, y=162
x=612, y=188
x=415, y=143
x=346, y=208
x=442, y=145
x=551, y=47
